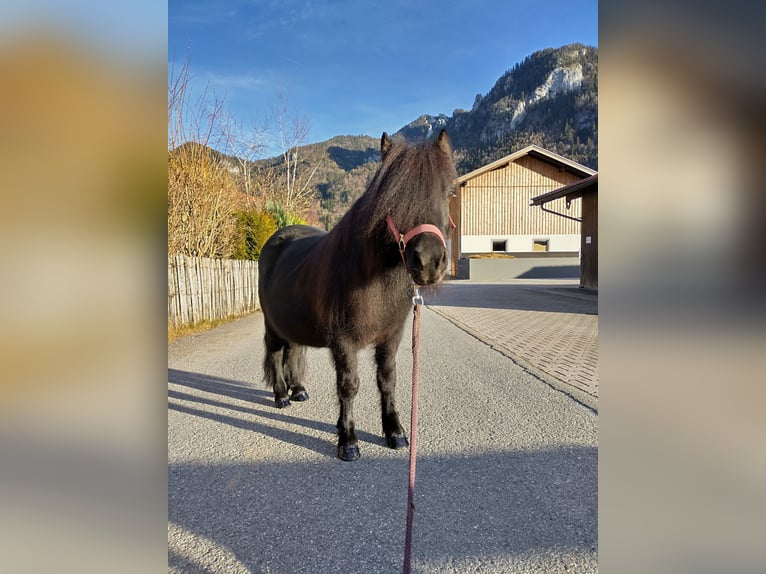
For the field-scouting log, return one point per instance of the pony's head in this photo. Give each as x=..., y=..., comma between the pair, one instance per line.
x=412, y=191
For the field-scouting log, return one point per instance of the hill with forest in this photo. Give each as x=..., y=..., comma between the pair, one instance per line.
x=549, y=99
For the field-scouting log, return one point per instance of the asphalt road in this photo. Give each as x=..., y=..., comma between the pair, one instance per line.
x=506, y=474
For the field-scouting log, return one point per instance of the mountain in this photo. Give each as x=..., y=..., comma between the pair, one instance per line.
x=549, y=99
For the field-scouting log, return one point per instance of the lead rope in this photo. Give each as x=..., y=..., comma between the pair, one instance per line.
x=417, y=301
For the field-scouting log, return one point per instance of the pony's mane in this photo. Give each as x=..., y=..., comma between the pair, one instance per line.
x=410, y=181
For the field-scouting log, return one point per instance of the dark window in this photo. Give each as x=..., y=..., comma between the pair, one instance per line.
x=499, y=244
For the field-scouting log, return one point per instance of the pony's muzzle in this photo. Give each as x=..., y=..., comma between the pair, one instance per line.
x=427, y=260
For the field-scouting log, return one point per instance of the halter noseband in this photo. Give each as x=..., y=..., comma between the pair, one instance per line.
x=404, y=239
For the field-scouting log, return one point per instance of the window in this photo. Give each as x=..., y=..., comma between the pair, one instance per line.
x=540, y=245
x=499, y=244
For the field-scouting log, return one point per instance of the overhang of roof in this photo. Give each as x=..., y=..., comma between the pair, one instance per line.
x=571, y=191
x=536, y=152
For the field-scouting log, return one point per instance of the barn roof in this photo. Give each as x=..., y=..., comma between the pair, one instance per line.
x=536, y=152
x=571, y=191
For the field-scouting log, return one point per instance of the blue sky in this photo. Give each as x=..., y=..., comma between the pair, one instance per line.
x=135, y=31
x=364, y=67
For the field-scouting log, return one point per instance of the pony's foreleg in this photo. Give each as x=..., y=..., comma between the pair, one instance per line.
x=294, y=368
x=272, y=368
x=385, y=357
x=347, y=386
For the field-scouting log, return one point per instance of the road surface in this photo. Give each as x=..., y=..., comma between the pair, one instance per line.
x=506, y=474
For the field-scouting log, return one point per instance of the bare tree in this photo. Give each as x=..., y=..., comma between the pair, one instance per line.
x=202, y=195
x=292, y=131
x=190, y=118
x=245, y=145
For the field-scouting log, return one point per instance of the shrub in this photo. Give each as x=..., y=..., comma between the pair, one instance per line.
x=202, y=199
x=282, y=217
x=253, y=230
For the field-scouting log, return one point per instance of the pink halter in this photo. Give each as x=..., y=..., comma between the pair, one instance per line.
x=417, y=230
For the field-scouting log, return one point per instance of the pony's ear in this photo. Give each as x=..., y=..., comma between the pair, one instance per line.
x=442, y=140
x=385, y=145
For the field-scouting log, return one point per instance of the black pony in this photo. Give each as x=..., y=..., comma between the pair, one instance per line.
x=353, y=286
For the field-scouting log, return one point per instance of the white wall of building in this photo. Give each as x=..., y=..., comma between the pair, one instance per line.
x=520, y=243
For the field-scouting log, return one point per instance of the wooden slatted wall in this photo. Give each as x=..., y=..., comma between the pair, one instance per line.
x=497, y=202
x=202, y=289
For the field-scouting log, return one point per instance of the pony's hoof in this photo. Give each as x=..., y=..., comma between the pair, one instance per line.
x=397, y=441
x=300, y=396
x=282, y=403
x=348, y=452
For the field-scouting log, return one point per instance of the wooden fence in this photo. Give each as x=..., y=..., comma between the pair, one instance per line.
x=202, y=289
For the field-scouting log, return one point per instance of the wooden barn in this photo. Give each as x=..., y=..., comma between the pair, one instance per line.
x=492, y=208
x=587, y=191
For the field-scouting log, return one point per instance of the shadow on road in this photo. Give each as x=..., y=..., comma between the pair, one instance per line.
x=335, y=517
x=534, y=297
x=240, y=391
x=225, y=387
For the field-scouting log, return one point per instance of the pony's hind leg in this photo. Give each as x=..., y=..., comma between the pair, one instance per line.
x=385, y=357
x=294, y=369
x=273, y=370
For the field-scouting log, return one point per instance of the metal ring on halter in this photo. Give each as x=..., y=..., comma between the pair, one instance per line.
x=417, y=298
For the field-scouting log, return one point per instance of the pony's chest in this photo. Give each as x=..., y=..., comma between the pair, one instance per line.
x=376, y=315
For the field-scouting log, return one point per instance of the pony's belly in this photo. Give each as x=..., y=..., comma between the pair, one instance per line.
x=305, y=337
x=295, y=323
x=296, y=320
